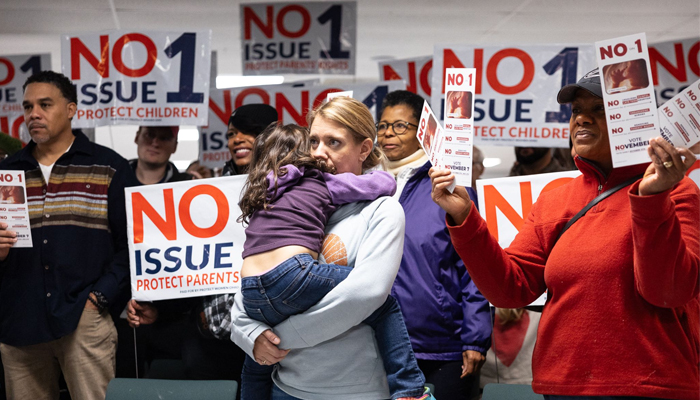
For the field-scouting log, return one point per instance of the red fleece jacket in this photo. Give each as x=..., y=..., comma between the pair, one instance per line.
x=623, y=315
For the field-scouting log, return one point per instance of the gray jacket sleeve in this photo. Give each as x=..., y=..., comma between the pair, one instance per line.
x=244, y=330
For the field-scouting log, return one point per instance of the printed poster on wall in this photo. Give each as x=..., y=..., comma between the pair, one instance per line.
x=506, y=203
x=292, y=105
x=459, y=123
x=184, y=240
x=14, y=71
x=516, y=90
x=674, y=65
x=14, y=206
x=416, y=72
x=299, y=38
x=679, y=118
x=628, y=95
x=139, y=78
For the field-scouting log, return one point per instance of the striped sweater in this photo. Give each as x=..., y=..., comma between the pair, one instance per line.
x=78, y=224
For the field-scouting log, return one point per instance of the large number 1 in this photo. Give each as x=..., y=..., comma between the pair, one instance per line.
x=185, y=46
x=335, y=15
x=33, y=63
x=567, y=61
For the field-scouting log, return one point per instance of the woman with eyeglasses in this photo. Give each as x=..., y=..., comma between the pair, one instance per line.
x=447, y=318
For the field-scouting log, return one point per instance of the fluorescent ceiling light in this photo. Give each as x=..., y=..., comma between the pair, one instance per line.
x=188, y=134
x=231, y=81
x=491, y=162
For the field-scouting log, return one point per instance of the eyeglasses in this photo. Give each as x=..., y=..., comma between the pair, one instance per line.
x=399, y=127
x=149, y=136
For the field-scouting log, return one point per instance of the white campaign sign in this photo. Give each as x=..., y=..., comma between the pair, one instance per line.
x=139, y=78
x=516, y=90
x=331, y=96
x=459, y=123
x=14, y=71
x=416, y=72
x=679, y=118
x=630, y=106
x=299, y=38
x=506, y=203
x=184, y=240
x=674, y=65
x=292, y=105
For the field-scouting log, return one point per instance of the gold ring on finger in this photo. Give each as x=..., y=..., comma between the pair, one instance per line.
x=668, y=164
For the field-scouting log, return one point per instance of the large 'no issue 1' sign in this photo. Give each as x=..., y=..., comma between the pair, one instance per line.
x=516, y=90
x=299, y=38
x=14, y=71
x=139, y=78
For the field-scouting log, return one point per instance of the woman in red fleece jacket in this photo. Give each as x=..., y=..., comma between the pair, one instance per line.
x=622, y=318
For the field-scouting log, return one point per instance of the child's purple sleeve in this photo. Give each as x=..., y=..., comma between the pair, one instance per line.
x=284, y=182
x=349, y=188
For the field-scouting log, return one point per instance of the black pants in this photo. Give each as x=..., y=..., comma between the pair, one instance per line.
x=445, y=376
x=204, y=358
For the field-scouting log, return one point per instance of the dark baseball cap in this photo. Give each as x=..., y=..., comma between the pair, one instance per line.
x=589, y=82
x=253, y=118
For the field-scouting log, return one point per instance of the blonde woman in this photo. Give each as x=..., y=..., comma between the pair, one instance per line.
x=328, y=351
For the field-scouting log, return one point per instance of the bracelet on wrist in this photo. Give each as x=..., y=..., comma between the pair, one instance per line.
x=100, y=301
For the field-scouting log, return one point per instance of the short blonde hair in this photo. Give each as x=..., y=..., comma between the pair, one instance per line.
x=356, y=118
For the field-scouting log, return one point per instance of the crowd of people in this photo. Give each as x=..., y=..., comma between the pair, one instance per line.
x=363, y=276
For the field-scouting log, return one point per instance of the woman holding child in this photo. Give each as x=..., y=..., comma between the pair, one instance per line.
x=331, y=353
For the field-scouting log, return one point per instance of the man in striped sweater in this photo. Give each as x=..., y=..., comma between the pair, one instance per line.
x=55, y=295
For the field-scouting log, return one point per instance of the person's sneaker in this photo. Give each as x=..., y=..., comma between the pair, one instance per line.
x=426, y=396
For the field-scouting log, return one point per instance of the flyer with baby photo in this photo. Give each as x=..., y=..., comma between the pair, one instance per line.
x=679, y=118
x=628, y=95
x=459, y=123
x=14, y=210
x=430, y=135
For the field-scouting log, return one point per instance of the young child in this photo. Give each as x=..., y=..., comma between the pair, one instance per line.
x=286, y=203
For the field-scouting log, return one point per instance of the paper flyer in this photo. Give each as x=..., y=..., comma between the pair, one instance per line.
x=430, y=135
x=14, y=210
x=628, y=93
x=459, y=123
x=679, y=118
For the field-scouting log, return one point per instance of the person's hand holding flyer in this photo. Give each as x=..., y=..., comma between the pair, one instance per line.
x=14, y=210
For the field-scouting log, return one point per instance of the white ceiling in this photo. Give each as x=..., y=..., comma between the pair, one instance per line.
x=386, y=29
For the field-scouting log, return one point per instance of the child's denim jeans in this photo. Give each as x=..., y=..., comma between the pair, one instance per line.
x=292, y=288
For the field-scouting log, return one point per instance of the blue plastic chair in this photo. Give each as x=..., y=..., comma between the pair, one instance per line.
x=162, y=389
x=505, y=391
